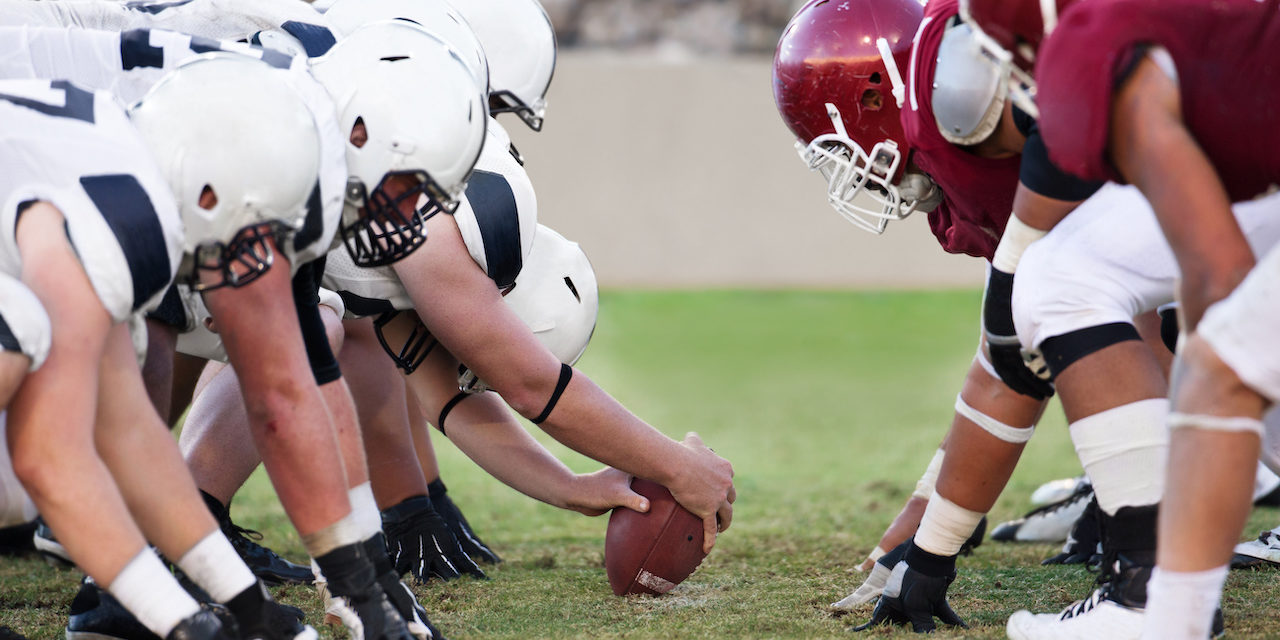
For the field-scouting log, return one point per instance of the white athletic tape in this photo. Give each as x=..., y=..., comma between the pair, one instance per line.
x=1017, y=237
x=341, y=533
x=1012, y=435
x=926, y=483
x=876, y=553
x=945, y=526
x=1215, y=423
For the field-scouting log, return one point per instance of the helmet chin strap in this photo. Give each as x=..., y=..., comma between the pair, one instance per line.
x=836, y=120
x=899, y=89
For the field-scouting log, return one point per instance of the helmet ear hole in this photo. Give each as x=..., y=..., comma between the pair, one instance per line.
x=572, y=289
x=208, y=199
x=875, y=78
x=872, y=100
x=359, y=134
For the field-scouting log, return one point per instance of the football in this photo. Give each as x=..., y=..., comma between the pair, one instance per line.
x=655, y=551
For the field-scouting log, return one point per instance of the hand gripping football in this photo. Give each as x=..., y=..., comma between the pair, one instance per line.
x=655, y=551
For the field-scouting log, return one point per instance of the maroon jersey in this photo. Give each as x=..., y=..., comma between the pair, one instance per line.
x=1227, y=53
x=977, y=192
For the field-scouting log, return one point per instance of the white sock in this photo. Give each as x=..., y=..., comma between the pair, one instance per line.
x=364, y=508
x=339, y=534
x=1124, y=451
x=214, y=565
x=147, y=589
x=1181, y=604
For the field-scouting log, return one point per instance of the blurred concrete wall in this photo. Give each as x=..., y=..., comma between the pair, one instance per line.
x=681, y=174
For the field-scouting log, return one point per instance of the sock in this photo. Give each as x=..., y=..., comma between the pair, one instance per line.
x=214, y=565
x=1182, y=604
x=364, y=508
x=1123, y=451
x=147, y=589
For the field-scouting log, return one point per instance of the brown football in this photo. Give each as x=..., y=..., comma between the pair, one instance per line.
x=655, y=551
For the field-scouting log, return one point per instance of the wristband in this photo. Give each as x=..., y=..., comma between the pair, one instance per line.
x=566, y=372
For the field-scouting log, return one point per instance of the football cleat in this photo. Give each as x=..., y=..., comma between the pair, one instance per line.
x=1113, y=611
x=1262, y=553
x=50, y=549
x=97, y=615
x=266, y=564
x=1084, y=543
x=1050, y=523
x=352, y=582
x=1057, y=490
x=9, y=634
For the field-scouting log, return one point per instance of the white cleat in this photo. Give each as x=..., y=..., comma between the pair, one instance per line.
x=1094, y=618
x=870, y=589
x=1258, y=554
x=1050, y=523
x=1056, y=490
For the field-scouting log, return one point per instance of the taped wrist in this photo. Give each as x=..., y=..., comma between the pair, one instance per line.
x=945, y=527
x=930, y=564
x=342, y=533
x=1017, y=237
x=566, y=373
x=926, y=483
x=1007, y=433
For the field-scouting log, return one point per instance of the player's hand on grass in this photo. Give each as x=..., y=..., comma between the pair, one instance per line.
x=876, y=581
x=421, y=544
x=916, y=593
x=1025, y=373
x=599, y=492
x=705, y=487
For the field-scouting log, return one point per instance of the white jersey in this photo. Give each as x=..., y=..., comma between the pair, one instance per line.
x=76, y=149
x=24, y=326
x=129, y=63
x=290, y=25
x=497, y=217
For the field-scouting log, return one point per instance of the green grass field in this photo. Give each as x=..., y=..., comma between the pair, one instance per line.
x=829, y=405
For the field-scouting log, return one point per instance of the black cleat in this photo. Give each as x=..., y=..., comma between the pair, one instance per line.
x=17, y=541
x=266, y=564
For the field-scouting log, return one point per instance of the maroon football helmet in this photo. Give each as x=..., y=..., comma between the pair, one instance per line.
x=838, y=86
x=1009, y=32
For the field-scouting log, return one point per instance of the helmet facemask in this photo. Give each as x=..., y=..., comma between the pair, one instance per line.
x=381, y=232
x=508, y=102
x=860, y=183
x=239, y=262
x=416, y=346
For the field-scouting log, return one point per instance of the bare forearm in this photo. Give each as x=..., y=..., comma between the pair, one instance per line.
x=507, y=452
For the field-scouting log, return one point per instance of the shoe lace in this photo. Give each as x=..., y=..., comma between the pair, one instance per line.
x=1269, y=538
x=1105, y=581
x=1082, y=492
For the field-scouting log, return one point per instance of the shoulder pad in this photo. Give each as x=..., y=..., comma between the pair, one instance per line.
x=968, y=92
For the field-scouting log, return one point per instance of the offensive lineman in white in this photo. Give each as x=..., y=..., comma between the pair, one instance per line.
x=127, y=237
x=145, y=50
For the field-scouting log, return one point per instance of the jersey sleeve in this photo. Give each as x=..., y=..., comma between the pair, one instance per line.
x=1038, y=173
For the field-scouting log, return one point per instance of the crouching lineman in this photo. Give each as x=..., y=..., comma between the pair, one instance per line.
x=94, y=231
x=254, y=319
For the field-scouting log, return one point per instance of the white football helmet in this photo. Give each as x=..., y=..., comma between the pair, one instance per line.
x=557, y=298
x=231, y=125
x=424, y=118
x=520, y=43
x=437, y=16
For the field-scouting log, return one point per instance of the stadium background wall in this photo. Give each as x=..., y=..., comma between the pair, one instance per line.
x=680, y=174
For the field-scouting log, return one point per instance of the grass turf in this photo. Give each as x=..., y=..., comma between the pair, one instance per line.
x=829, y=404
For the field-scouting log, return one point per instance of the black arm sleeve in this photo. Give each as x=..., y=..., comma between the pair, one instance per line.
x=1039, y=174
x=306, y=299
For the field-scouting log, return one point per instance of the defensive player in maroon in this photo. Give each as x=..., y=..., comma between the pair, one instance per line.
x=1179, y=98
